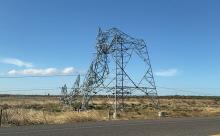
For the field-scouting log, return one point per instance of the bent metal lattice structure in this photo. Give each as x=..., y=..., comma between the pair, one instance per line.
x=109, y=72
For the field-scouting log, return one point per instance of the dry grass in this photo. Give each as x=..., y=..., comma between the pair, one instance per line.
x=30, y=116
x=49, y=110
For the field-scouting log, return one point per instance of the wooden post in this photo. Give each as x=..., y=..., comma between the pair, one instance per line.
x=45, y=119
x=108, y=114
x=1, y=117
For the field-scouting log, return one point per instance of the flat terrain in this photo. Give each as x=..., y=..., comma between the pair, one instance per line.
x=38, y=110
x=160, y=127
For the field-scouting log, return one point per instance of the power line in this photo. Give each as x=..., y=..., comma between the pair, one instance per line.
x=29, y=90
x=57, y=88
x=181, y=90
x=73, y=75
x=43, y=76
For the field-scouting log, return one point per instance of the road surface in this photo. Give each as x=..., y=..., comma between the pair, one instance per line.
x=161, y=127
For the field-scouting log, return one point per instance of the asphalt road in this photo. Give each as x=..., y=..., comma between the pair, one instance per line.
x=161, y=127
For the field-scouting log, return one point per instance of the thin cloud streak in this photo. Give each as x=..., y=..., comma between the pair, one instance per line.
x=17, y=62
x=167, y=73
x=42, y=72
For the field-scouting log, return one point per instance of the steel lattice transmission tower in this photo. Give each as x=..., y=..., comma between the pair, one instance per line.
x=109, y=70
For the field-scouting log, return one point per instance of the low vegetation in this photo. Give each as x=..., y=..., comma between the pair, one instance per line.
x=30, y=110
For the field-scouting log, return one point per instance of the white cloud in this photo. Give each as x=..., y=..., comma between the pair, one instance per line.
x=42, y=72
x=68, y=70
x=29, y=70
x=17, y=62
x=12, y=72
x=167, y=73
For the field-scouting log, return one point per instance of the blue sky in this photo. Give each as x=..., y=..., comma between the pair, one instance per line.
x=58, y=36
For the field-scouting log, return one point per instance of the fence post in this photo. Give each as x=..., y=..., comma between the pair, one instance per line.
x=1, y=117
x=45, y=119
x=108, y=115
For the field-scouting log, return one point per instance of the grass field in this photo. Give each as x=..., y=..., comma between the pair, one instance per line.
x=30, y=110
